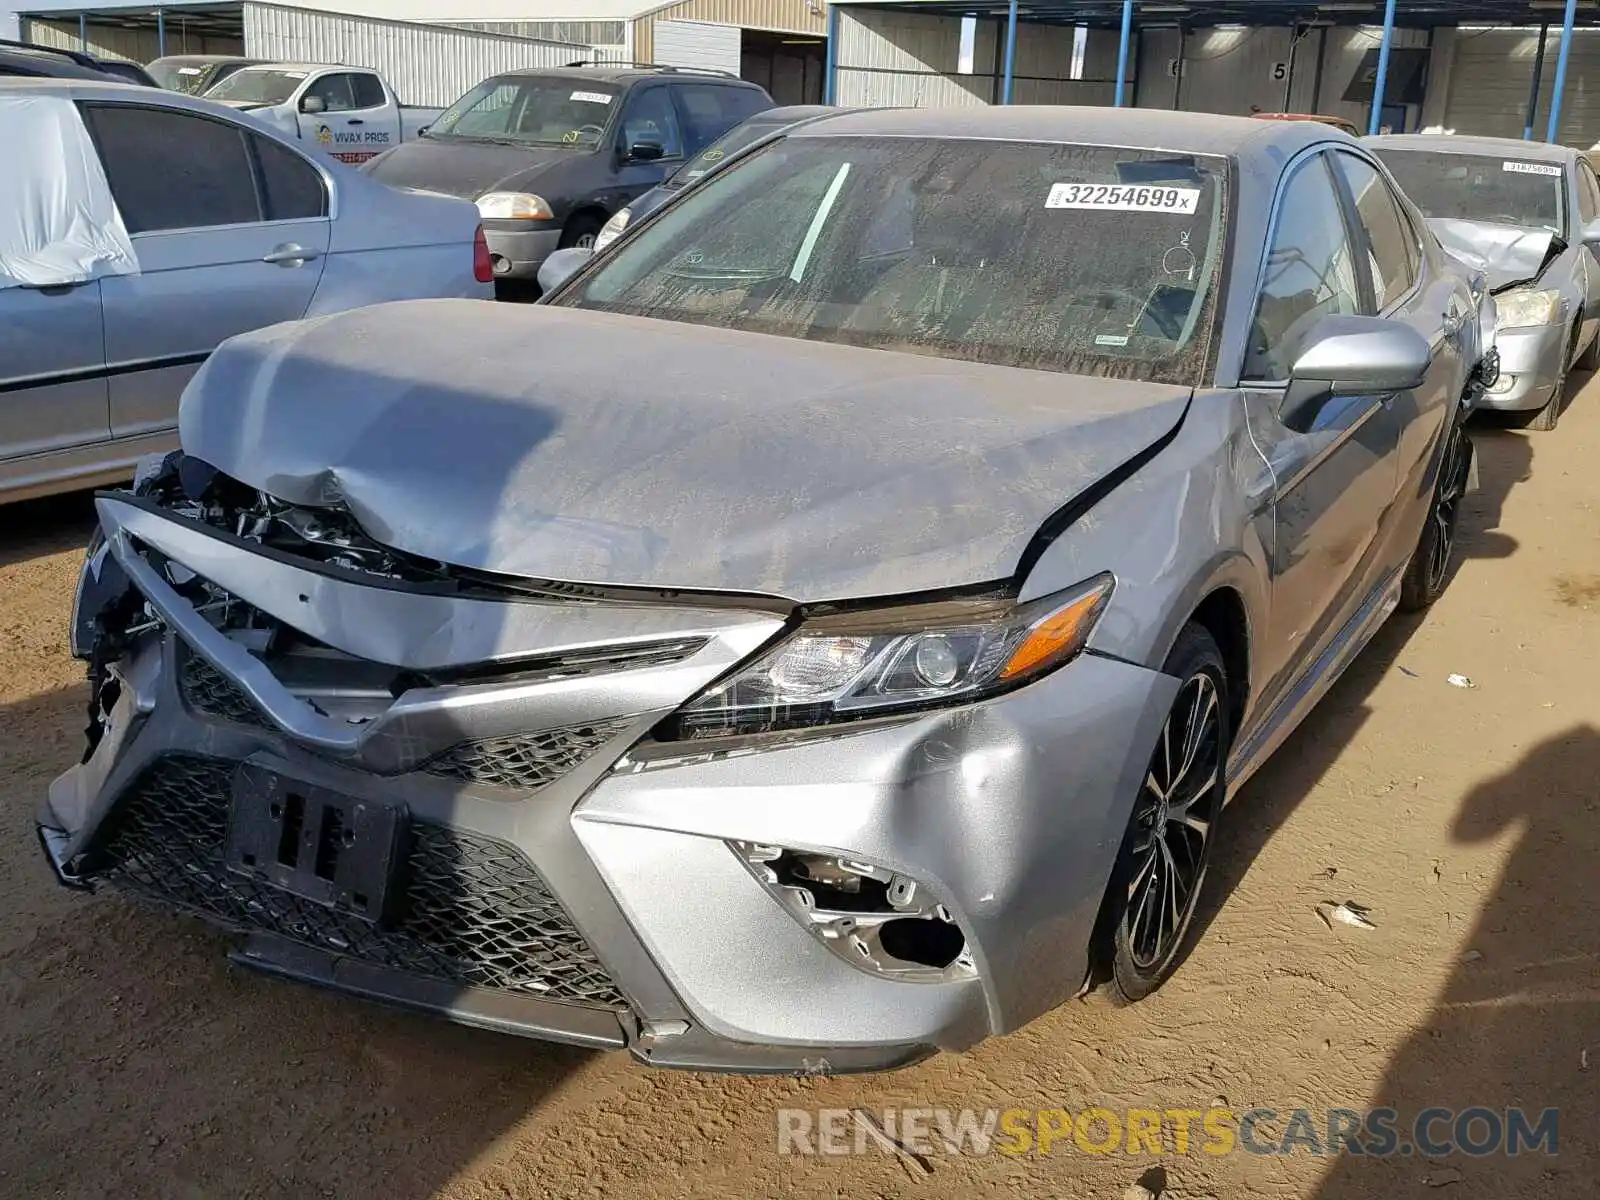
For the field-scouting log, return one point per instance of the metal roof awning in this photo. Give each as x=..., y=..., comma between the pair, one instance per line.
x=1411, y=14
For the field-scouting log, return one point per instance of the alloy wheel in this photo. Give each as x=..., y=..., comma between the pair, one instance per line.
x=1447, y=508
x=1175, y=811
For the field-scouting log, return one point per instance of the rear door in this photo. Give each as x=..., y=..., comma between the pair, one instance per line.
x=52, y=378
x=1588, y=212
x=1336, y=480
x=231, y=229
x=1404, y=290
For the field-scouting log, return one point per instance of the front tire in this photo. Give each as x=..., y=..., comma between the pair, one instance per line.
x=1161, y=869
x=582, y=230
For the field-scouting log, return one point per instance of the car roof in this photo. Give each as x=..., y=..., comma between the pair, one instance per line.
x=203, y=60
x=621, y=73
x=1451, y=143
x=44, y=64
x=1131, y=128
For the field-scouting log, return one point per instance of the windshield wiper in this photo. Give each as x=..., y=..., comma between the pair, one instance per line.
x=481, y=139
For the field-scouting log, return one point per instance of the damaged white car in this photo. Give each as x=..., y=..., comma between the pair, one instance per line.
x=827, y=631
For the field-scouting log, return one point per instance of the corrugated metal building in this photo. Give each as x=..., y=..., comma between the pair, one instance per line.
x=425, y=64
x=780, y=44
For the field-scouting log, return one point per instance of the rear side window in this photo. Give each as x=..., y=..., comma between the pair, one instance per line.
x=710, y=110
x=368, y=90
x=1392, y=254
x=170, y=170
x=291, y=188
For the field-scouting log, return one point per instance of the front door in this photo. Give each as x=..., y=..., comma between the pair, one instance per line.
x=219, y=254
x=1336, y=480
x=650, y=116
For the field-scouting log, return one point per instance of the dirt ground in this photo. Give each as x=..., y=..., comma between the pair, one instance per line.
x=135, y=1062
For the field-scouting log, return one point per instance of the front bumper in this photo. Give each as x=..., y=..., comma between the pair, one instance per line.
x=518, y=248
x=569, y=878
x=1532, y=365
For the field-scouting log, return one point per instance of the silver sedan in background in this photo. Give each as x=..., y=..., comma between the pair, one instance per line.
x=141, y=228
x=1528, y=215
x=827, y=630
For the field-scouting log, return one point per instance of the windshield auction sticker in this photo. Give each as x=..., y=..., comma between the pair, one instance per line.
x=1117, y=197
x=1523, y=168
x=592, y=97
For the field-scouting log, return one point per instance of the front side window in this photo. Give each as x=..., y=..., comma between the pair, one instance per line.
x=1478, y=187
x=170, y=170
x=337, y=93
x=651, y=118
x=1392, y=255
x=1310, y=272
x=533, y=110
x=1082, y=259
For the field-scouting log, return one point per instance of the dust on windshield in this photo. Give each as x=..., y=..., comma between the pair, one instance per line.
x=1473, y=187
x=1092, y=260
x=724, y=148
x=540, y=112
x=258, y=87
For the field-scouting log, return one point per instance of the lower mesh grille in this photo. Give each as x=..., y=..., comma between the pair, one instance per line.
x=528, y=761
x=473, y=911
x=207, y=690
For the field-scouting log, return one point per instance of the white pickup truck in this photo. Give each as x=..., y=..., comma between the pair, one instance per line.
x=350, y=112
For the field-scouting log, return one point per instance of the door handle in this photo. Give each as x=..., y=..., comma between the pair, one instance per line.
x=356, y=121
x=290, y=256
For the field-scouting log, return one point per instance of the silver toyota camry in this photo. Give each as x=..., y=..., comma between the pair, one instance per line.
x=827, y=631
x=1528, y=215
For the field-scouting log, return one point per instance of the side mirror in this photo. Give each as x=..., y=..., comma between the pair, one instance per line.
x=562, y=266
x=646, y=152
x=1591, y=234
x=1352, y=356
x=313, y=105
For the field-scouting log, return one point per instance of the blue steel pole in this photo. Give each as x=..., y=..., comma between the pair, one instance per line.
x=161, y=34
x=1561, y=71
x=830, y=69
x=1538, y=78
x=1122, y=51
x=1011, y=53
x=1376, y=122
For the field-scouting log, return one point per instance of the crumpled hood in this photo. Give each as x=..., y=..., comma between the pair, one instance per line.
x=1506, y=254
x=558, y=444
x=465, y=169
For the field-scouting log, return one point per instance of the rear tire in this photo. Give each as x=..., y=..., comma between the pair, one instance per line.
x=1589, y=360
x=1161, y=868
x=1429, y=569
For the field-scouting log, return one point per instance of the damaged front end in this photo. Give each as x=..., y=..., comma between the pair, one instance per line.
x=319, y=743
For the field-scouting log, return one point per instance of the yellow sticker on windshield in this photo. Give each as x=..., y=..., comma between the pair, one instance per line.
x=570, y=137
x=1123, y=197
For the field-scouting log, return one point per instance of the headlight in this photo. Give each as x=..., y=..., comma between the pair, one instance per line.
x=513, y=206
x=612, y=230
x=1517, y=310
x=852, y=665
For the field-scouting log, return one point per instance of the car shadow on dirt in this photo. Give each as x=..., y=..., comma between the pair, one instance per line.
x=136, y=1061
x=1517, y=1026
x=1504, y=460
x=35, y=528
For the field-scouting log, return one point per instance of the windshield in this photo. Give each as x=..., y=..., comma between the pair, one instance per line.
x=1067, y=258
x=538, y=111
x=178, y=77
x=725, y=147
x=1472, y=187
x=258, y=86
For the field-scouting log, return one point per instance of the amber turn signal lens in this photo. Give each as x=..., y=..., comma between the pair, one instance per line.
x=1059, y=635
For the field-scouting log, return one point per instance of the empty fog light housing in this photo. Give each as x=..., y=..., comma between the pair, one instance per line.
x=1502, y=384
x=878, y=920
